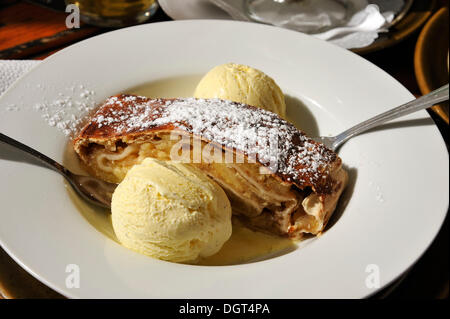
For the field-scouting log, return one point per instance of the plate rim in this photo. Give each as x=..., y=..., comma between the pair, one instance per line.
x=420, y=65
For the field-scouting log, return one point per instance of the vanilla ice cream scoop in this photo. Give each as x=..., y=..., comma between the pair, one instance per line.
x=243, y=84
x=170, y=211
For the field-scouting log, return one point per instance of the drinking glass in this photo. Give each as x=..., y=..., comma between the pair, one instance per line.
x=115, y=13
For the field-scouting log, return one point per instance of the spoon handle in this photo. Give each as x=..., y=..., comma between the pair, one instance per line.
x=37, y=155
x=418, y=104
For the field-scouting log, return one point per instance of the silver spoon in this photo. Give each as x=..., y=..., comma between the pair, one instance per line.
x=99, y=192
x=423, y=102
x=89, y=188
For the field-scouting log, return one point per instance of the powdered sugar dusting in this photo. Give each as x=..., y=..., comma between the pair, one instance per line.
x=67, y=112
x=276, y=143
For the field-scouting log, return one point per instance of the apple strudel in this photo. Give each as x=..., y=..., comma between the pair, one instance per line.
x=277, y=179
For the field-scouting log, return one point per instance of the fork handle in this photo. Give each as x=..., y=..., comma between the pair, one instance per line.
x=418, y=104
x=47, y=161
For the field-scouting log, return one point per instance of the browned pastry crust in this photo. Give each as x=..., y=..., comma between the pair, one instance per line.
x=294, y=194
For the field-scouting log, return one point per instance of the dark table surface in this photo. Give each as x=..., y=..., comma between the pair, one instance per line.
x=31, y=31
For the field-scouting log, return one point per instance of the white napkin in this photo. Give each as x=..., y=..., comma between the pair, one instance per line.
x=11, y=70
x=355, y=25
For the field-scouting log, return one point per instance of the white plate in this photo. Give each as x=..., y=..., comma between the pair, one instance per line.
x=397, y=198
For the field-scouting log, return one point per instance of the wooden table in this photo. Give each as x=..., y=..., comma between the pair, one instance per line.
x=30, y=31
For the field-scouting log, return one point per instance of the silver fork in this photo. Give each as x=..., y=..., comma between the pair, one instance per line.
x=423, y=102
x=89, y=188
